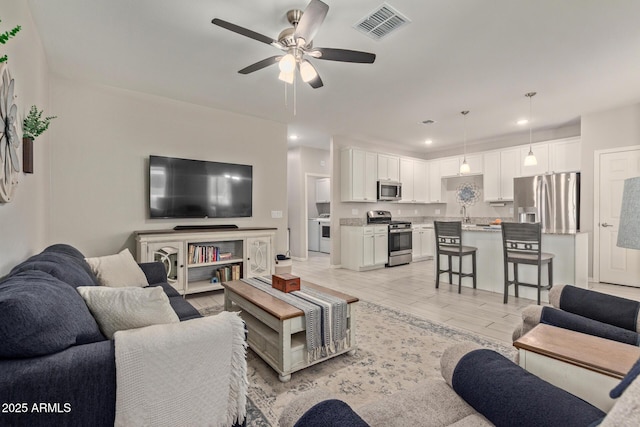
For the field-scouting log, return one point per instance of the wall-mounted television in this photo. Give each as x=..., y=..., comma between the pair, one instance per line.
x=182, y=188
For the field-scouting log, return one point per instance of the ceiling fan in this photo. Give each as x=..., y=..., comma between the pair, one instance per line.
x=297, y=42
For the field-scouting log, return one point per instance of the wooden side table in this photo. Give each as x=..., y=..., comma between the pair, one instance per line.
x=584, y=365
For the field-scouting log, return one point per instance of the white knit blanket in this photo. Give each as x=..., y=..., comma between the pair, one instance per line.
x=192, y=373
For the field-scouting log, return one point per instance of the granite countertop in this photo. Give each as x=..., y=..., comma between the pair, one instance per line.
x=477, y=224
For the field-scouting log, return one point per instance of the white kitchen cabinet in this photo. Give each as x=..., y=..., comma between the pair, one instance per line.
x=414, y=177
x=406, y=178
x=358, y=175
x=423, y=242
x=565, y=155
x=541, y=151
x=420, y=181
x=475, y=163
x=388, y=167
x=364, y=248
x=323, y=190
x=449, y=166
x=435, y=182
x=500, y=167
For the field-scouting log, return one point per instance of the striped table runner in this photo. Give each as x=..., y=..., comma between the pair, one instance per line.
x=325, y=315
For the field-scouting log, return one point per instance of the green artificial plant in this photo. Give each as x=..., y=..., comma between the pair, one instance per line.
x=33, y=125
x=4, y=38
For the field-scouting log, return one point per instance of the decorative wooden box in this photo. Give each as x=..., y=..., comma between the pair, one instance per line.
x=285, y=282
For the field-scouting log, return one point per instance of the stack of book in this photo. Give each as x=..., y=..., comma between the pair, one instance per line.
x=228, y=273
x=199, y=254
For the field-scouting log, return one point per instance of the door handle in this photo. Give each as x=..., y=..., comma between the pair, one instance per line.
x=604, y=224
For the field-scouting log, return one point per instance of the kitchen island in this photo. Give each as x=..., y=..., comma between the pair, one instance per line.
x=570, y=265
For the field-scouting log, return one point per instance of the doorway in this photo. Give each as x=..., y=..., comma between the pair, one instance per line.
x=317, y=200
x=615, y=265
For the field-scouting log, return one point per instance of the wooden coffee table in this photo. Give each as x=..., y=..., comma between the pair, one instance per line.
x=584, y=365
x=276, y=330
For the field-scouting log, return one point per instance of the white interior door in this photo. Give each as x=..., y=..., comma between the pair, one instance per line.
x=617, y=265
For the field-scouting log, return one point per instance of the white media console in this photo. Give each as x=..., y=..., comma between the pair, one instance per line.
x=199, y=260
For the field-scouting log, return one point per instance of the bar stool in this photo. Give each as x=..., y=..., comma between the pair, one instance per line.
x=522, y=244
x=449, y=243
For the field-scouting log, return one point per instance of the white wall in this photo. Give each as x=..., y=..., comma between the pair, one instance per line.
x=23, y=221
x=99, y=172
x=618, y=127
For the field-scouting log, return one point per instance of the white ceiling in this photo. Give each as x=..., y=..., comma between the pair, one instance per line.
x=580, y=56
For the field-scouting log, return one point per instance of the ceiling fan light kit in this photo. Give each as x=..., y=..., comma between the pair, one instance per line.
x=286, y=77
x=297, y=42
x=287, y=63
x=307, y=71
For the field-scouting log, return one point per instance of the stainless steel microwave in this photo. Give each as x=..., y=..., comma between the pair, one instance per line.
x=389, y=191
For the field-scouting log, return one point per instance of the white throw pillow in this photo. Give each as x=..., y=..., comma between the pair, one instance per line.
x=118, y=270
x=118, y=309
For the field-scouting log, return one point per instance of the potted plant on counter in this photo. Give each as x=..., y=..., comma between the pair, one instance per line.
x=32, y=126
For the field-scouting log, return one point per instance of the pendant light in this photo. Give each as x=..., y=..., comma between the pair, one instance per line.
x=464, y=167
x=530, y=160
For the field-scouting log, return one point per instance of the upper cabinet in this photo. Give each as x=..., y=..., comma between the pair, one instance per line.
x=323, y=190
x=475, y=162
x=500, y=168
x=414, y=177
x=449, y=166
x=541, y=151
x=359, y=172
x=422, y=180
x=554, y=156
x=388, y=167
x=435, y=182
x=565, y=155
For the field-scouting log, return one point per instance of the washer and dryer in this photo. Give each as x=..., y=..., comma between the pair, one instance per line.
x=320, y=234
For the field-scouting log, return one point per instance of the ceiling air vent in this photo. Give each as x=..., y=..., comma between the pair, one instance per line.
x=381, y=22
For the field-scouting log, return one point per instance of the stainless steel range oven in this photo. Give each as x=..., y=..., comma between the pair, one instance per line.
x=400, y=243
x=400, y=237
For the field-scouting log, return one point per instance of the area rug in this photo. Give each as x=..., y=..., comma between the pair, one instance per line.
x=396, y=351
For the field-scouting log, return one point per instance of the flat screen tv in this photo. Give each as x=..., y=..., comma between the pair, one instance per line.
x=181, y=188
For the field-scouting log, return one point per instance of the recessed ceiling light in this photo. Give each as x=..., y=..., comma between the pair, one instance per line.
x=293, y=137
x=428, y=141
x=522, y=122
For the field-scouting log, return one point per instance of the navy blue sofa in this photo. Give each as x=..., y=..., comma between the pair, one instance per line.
x=56, y=367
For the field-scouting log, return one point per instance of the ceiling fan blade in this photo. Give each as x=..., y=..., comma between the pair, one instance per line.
x=312, y=18
x=244, y=32
x=343, y=55
x=316, y=83
x=260, y=64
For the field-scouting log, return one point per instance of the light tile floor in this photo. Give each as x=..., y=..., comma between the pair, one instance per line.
x=411, y=288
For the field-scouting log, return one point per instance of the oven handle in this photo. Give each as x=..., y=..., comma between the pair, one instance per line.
x=402, y=252
x=406, y=230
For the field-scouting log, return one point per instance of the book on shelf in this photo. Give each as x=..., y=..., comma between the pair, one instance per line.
x=199, y=254
x=228, y=273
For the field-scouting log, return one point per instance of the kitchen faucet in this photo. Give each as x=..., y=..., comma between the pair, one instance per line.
x=465, y=218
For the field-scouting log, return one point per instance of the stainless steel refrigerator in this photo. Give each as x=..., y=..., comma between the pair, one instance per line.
x=553, y=200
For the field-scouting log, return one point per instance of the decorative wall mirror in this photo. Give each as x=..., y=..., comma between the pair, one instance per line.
x=9, y=138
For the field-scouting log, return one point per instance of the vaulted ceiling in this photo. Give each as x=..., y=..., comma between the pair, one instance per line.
x=580, y=56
